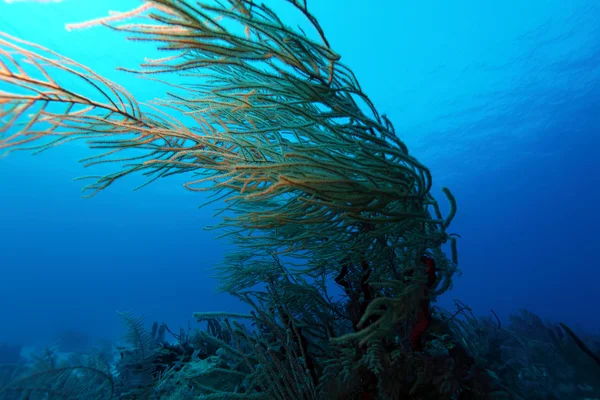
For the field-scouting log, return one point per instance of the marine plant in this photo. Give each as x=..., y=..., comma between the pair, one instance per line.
x=315, y=184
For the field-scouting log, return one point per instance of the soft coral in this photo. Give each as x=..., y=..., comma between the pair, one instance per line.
x=424, y=315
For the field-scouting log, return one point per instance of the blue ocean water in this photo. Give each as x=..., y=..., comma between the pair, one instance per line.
x=499, y=99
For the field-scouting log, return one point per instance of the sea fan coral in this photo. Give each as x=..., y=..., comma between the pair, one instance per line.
x=282, y=132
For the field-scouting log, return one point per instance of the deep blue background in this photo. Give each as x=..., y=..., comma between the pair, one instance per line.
x=501, y=100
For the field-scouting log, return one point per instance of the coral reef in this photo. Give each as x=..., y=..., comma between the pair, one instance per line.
x=318, y=191
x=464, y=358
